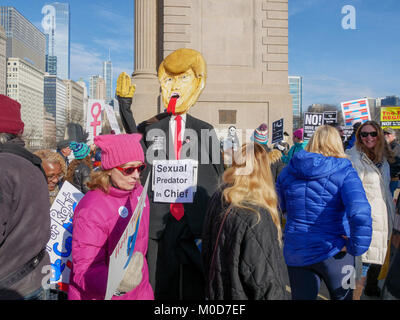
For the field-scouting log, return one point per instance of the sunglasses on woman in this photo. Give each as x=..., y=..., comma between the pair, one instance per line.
x=129, y=170
x=365, y=134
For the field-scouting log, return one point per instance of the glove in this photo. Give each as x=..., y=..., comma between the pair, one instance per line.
x=125, y=89
x=133, y=275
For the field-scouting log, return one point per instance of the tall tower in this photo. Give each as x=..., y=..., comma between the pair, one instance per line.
x=107, y=76
x=56, y=25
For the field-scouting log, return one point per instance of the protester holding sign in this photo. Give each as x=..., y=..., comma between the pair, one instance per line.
x=101, y=218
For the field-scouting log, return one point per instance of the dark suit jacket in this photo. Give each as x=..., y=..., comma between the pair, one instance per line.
x=201, y=138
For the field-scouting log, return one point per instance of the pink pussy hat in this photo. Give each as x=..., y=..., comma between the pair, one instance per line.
x=119, y=149
x=299, y=134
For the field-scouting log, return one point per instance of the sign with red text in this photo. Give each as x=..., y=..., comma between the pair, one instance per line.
x=93, y=119
x=122, y=254
x=390, y=117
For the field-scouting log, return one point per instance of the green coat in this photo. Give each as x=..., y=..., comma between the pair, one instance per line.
x=295, y=148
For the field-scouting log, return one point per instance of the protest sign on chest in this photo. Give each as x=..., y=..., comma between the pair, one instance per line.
x=174, y=181
x=59, y=246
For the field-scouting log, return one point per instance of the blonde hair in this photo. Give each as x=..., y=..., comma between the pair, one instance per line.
x=326, y=141
x=100, y=180
x=49, y=156
x=255, y=188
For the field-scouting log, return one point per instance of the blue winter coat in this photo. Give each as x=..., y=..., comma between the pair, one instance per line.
x=324, y=199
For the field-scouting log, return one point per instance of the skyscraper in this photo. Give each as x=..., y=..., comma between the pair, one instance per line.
x=24, y=40
x=25, y=85
x=56, y=25
x=3, y=60
x=55, y=102
x=296, y=90
x=107, y=76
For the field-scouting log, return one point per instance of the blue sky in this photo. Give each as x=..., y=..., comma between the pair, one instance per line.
x=96, y=26
x=336, y=64
x=339, y=65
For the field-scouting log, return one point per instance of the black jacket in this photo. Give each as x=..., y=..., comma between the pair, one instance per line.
x=24, y=218
x=81, y=177
x=207, y=176
x=248, y=262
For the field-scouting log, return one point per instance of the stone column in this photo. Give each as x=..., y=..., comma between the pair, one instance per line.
x=146, y=99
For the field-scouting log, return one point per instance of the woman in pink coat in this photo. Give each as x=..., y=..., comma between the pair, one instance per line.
x=101, y=218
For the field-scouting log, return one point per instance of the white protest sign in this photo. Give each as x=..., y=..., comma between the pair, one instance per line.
x=123, y=251
x=112, y=119
x=173, y=180
x=59, y=246
x=93, y=118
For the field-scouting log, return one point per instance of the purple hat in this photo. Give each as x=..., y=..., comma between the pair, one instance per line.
x=119, y=149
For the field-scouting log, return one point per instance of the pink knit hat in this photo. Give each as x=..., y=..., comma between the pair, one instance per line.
x=299, y=133
x=119, y=149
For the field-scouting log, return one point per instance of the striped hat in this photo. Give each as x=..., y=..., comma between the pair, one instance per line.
x=80, y=150
x=261, y=134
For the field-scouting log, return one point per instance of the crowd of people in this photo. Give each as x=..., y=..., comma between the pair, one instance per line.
x=266, y=224
x=327, y=210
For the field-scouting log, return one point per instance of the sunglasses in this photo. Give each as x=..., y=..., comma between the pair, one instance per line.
x=129, y=170
x=365, y=134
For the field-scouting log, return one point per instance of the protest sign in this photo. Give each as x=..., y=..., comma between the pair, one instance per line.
x=59, y=246
x=173, y=180
x=112, y=119
x=277, y=131
x=355, y=111
x=311, y=122
x=125, y=247
x=390, y=117
x=93, y=119
x=330, y=117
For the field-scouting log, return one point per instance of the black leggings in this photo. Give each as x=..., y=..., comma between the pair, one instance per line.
x=337, y=272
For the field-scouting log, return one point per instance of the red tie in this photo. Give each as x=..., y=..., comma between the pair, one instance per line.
x=177, y=209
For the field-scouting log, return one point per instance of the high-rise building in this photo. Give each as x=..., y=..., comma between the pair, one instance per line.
x=55, y=102
x=97, y=88
x=24, y=40
x=85, y=97
x=296, y=90
x=49, y=131
x=390, y=101
x=107, y=76
x=3, y=60
x=93, y=86
x=75, y=102
x=57, y=28
x=25, y=85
